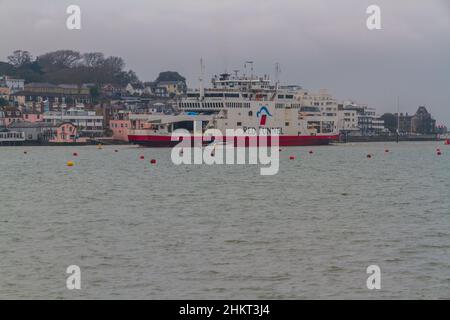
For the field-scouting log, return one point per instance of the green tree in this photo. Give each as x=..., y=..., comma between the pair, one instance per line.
x=170, y=76
x=95, y=94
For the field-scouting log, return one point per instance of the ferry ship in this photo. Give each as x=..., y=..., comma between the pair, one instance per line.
x=249, y=103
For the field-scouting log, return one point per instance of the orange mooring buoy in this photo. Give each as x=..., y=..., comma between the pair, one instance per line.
x=369, y=156
x=153, y=161
x=75, y=154
x=291, y=158
x=311, y=152
x=439, y=153
x=70, y=163
x=142, y=157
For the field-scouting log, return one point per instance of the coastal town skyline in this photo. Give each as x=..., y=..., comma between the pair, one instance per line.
x=373, y=67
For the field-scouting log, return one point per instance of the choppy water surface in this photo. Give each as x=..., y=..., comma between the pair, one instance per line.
x=225, y=232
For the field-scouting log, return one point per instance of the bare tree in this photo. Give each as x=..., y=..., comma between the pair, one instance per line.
x=19, y=58
x=93, y=59
x=61, y=58
x=113, y=65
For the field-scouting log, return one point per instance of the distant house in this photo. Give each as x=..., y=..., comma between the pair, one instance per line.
x=172, y=88
x=113, y=91
x=135, y=89
x=161, y=92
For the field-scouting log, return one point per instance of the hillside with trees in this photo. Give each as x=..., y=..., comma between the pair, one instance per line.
x=68, y=66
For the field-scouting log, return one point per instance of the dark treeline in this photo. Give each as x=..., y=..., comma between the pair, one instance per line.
x=68, y=66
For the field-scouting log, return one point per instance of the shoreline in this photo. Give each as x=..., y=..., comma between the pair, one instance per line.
x=353, y=139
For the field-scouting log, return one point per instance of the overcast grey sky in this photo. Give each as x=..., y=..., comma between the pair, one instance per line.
x=318, y=43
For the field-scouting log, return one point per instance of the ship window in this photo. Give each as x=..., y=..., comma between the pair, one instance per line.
x=239, y=124
x=289, y=96
x=250, y=113
x=286, y=124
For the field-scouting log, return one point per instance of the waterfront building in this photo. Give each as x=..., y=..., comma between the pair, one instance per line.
x=324, y=101
x=11, y=137
x=378, y=126
x=124, y=121
x=347, y=119
x=66, y=132
x=40, y=132
x=368, y=122
x=120, y=125
x=34, y=132
x=404, y=123
x=422, y=122
x=89, y=124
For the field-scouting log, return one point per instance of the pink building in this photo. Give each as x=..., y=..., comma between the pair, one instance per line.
x=32, y=117
x=10, y=115
x=66, y=133
x=120, y=129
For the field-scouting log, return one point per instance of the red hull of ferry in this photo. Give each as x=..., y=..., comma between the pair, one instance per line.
x=156, y=141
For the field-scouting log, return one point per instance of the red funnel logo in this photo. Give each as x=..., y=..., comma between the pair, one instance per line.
x=263, y=113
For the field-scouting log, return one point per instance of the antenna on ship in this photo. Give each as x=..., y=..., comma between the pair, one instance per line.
x=277, y=75
x=202, y=71
x=251, y=69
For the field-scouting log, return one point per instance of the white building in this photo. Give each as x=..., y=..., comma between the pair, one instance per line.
x=134, y=89
x=347, y=119
x=87, y=122
x=323, y=100
x=368, y=122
